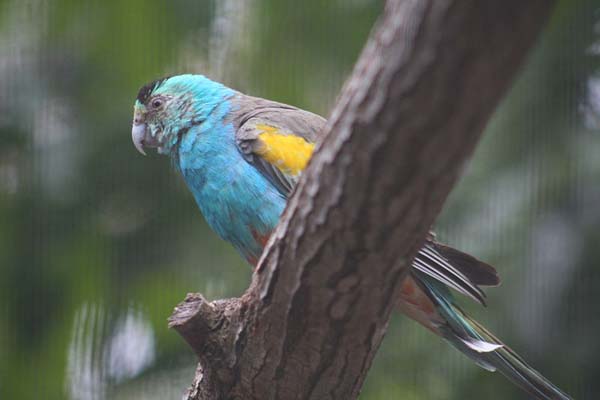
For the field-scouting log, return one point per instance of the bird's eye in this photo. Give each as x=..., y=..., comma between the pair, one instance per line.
x=156, y=103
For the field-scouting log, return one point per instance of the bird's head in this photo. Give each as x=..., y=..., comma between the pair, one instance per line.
x=167, y=108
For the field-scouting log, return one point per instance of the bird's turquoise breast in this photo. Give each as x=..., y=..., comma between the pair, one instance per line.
x=237, y=201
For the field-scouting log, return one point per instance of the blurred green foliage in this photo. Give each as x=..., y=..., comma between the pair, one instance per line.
x=97, y=243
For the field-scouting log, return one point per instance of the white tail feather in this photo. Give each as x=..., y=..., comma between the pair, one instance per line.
x=480, y=346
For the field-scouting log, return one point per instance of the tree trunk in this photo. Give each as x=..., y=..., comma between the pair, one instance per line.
x=420, y=95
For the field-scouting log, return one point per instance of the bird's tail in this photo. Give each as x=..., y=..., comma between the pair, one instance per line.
x=476, y=342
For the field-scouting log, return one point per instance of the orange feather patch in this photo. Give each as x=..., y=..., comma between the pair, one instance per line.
x=417, y=305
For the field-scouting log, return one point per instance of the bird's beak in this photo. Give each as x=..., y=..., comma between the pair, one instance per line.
x=138, y=130
x=141, y=135
x=138, y=134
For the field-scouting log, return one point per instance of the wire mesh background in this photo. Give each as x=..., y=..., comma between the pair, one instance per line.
x=97, y=243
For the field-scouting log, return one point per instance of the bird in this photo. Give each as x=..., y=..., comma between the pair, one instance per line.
x=241, y=158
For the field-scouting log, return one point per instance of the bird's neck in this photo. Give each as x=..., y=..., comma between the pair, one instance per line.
x=203, y=141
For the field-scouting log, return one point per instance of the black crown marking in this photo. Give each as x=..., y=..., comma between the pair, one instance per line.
x=146, y=90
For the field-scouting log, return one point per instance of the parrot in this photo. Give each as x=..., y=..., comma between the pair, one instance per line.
x=241, y=157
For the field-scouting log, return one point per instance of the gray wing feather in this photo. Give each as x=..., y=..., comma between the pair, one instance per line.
x=432, y=263
x=248, y=112
x=289, y=119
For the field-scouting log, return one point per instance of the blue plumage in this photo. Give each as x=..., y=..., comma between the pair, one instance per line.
x=237, y=201
x=231, y=150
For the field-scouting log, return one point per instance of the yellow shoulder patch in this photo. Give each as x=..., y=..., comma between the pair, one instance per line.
x=289, y=153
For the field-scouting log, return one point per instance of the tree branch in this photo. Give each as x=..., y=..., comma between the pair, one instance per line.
x=420, y=95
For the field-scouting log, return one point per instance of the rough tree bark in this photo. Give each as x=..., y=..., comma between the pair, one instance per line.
x=420, y=95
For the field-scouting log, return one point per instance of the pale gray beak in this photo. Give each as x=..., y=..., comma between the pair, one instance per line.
x=142, y=136
x=138, y=134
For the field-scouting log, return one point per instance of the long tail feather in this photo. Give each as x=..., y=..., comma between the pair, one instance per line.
x=506, y=361
x=476, y=342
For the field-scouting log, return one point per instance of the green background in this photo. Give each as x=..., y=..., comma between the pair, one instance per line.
x=98, y=243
